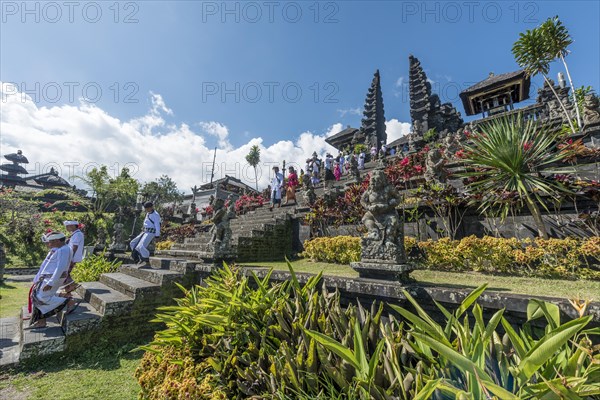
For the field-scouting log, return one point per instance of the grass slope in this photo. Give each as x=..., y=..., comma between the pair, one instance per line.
x=94, y=375
x=13, y=296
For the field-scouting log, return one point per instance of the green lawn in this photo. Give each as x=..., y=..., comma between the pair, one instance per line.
x=531, y=286
x=13, y=296
x=94, y=375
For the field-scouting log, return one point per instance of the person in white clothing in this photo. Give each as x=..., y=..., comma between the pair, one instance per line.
x=52, y=274
x=361, y=160
x=150, y=230
x=76, y=243
x=276, y=185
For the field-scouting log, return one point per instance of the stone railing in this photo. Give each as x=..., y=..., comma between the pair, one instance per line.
x=535, y=112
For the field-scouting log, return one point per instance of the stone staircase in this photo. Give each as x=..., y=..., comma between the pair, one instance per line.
x=117, y=308
x=258, y=235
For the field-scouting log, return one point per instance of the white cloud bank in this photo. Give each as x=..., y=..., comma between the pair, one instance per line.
x=74, y=139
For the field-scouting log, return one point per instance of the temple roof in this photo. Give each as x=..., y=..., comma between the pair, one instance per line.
x=519, y=79
x=227, y=180
x=342, y=137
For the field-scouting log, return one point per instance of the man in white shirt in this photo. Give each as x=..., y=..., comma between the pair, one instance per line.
x=276, y=185
x=44, y=300
x=150, y=230
x=76, y=243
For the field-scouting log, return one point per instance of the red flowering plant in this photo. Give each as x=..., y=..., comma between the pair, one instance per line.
x=209, y=210
x=247, y=201
x=574, y=149
x=403, y=170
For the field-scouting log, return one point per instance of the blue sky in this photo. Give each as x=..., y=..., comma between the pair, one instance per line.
x=187, y=52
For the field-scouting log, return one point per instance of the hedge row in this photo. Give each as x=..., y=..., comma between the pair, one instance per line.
x=550, y=258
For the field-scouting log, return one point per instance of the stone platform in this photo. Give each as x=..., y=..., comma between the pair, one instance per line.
x=381, y=270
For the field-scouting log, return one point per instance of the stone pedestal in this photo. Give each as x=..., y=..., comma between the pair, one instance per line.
x=382, y=270
x=382, y=249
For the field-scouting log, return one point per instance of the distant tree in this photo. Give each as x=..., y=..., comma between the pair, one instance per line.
x=162, y=191
x=106, y=191
x=534, y=52
x=557, y=39
x=253, y=158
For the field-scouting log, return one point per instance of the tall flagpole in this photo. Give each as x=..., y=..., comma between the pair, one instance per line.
x=212, y=174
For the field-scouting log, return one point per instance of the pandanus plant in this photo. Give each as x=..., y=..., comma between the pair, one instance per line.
x=511, y=155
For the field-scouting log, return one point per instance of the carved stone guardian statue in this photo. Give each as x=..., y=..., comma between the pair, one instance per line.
x=434, y=165
x=382, y=254
x=118, y=244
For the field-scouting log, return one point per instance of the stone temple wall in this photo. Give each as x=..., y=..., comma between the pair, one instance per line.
x=273, y=244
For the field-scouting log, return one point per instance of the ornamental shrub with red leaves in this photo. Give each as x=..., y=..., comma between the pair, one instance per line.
x=249, y=200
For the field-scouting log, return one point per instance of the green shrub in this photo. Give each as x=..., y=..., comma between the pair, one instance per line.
x=547, y=258
x=232, y=339
x=92, y=267
x=338, y=249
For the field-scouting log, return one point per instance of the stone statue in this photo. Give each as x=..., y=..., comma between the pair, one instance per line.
x=220, y=231
x=434, y=167
x=381, y=218
x=452, y=144
x=382, y=254
x=412, y=146
x=591, y=109
x=417, y=128
x=354, y=171
x=231, y=206
x=101, y=239
x=118, y=244
x=309, y=191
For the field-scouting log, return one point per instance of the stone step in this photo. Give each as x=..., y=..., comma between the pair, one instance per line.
x=106, y=300
x=85, y=317
x=188, y=254
x=180, y=264
x=41, y=341
x=129, y=285
x=10, y=337
x=147, y=273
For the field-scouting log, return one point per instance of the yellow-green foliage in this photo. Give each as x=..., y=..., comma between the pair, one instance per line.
x=160, y=378
x=565, y=258
x=550, y=258
x=338, y=249
x=165, y=245
x=92, y=267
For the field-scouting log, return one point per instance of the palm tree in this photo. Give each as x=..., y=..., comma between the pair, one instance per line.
x=533, y=53
x=557, y=40
x=253, y=158
x=511, y=156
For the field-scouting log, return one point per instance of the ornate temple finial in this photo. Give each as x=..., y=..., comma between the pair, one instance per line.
x=373, y=122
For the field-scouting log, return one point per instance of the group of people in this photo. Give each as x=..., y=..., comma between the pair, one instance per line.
x=279, y=185
x=52, y=287
x=54, y=275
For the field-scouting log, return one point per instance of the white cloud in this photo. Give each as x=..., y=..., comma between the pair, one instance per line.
x=400, y=81
x=220, y=131
x=74, y=139
x=351, y=111
x=396, y=129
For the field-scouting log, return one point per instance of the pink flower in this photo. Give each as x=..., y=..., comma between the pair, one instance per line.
x=527, y=146
x=47, y=222
x=405, y=161
x=76, y=203
x=460, y=153
x=418, y=169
